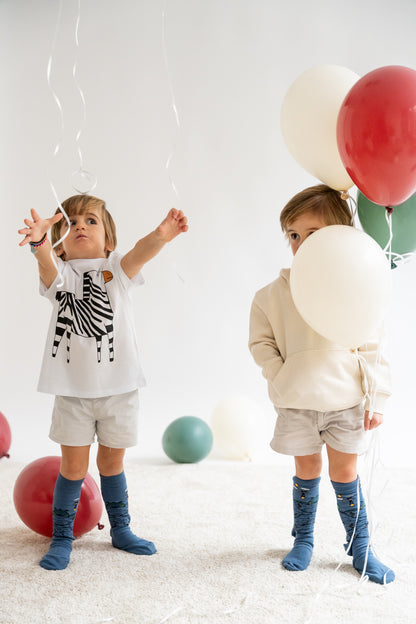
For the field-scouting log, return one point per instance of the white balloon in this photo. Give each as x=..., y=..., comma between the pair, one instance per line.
x=308, y=122
x=341, y=284
x=237, y=425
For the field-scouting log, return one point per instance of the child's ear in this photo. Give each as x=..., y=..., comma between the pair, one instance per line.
x=59, y=250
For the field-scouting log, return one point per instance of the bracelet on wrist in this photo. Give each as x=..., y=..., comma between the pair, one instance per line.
x=34, y=246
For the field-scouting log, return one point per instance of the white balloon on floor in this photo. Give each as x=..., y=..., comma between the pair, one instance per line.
x=237, y=424
x=341, y=284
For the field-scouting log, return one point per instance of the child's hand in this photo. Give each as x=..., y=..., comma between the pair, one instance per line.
x=371, y=423
x=35, y=230
x=174, y=224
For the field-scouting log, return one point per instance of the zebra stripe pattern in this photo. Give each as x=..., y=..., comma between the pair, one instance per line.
x=89, y=317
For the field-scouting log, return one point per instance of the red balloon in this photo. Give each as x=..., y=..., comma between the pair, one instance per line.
x=5, y=436
x=33, y=495
x=376, y=134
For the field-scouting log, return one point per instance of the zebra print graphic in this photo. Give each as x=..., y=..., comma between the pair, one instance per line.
x=89, y=317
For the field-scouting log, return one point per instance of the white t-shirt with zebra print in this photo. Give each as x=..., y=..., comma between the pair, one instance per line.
x=91, y=348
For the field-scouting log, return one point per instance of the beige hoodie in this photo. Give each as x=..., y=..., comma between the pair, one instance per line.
x=305, y=370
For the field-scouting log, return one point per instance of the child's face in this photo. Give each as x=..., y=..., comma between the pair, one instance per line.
x=86, y=238
x=302, y=227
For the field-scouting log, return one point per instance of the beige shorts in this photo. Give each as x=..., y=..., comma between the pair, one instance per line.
x=113, y=419
x=304, y=432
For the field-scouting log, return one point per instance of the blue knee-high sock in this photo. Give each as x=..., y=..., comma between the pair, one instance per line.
x=351, y=507
x=65, y=502
x=305, y=503
x=114, y=491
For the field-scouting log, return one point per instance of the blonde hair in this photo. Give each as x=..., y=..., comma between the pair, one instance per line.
x=321, y=200
x=80, y=204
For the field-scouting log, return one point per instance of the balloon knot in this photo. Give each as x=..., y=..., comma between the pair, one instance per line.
x=389, y=209
x=345, y=195
x=100, y=526
x=5, y=455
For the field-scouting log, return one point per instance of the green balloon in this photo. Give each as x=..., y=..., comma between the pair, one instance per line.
x=187, y=440
x=373, y=221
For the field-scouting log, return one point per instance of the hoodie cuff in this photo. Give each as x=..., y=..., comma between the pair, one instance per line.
x=379, y=403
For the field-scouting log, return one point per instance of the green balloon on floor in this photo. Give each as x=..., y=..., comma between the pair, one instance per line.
x=187, y=440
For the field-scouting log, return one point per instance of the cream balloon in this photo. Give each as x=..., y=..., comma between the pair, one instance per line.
x=341, y=284
x=308, y=122
x=237, y=424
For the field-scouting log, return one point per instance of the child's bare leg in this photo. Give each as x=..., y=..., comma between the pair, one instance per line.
x=74, y=462
x=305, y=502
x=308, y=466
x=342, y=466
x=110, y=461
x=114, y=491
x=74, y=467
x=351, y=507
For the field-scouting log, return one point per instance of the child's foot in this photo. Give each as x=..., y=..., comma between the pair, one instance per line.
x=374, y=569
x=124, y=539
x=298, y=558
x=57, y=557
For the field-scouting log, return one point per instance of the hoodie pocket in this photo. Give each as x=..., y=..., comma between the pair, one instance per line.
x=322, y=380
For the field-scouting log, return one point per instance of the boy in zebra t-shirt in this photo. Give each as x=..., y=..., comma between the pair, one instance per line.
x=91, y=361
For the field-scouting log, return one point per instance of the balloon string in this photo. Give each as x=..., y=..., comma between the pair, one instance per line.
x=165, y=57
x=83, y=173
x=172, y=97
x=393, y=257
x=197, y=613
x=80, y=91
x=351, y=202
x=387, y=248
x=60, y=137
x=372, y=454
x=48, y=77
x=177, y=121
x=347, y=197
x=354, y=209
x=370, y=388
x=326, y=585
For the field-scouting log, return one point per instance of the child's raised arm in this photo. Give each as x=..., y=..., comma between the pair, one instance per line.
x=34, y=232
x=148, y=247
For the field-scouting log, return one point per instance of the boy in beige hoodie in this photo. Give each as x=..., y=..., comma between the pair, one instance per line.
x=316, y=387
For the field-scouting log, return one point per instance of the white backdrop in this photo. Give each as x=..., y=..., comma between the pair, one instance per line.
x=229, y=63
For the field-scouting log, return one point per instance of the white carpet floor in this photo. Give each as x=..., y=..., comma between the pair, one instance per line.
x=221, y=530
